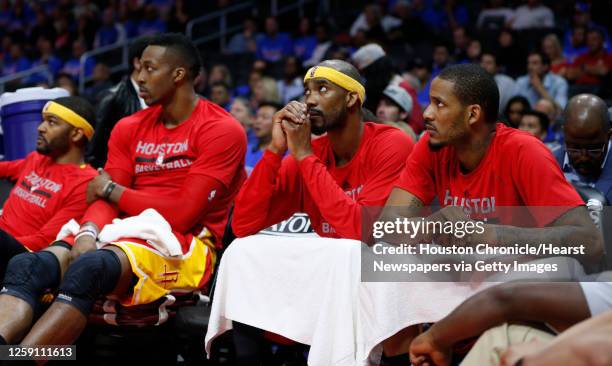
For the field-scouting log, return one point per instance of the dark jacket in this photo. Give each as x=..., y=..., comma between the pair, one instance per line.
x=120, y=102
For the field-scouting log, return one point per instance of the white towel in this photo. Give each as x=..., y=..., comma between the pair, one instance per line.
x=70, y=228
x=149, y=226
x=309, y=290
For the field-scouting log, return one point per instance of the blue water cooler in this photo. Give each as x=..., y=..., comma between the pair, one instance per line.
x=20, y=112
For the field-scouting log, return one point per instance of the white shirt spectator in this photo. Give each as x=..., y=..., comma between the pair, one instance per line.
x=498, y=13
x=291, y=91
x=317, y=54
x=526, y=17
x=387, y=23
x=506, y=86
x=555, y=85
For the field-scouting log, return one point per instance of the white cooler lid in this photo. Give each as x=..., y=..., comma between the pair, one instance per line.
x=35, y=93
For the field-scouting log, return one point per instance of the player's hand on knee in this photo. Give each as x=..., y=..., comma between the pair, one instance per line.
x=83, y=245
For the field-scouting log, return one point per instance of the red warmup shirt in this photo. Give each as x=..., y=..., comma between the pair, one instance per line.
x=333, y=197
x=190, y=174
x=517, y=170
x=46, y=196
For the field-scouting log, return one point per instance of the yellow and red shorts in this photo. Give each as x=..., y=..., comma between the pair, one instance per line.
x=159, y=275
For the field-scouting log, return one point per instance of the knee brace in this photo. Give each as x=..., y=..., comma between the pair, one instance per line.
x=91, y=276
x=28, y=275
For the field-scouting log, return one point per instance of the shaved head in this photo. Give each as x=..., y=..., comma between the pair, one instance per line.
x=587, y=133
x=587, y=111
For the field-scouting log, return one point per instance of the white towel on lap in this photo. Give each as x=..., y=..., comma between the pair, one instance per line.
x=149, y=226
x=309, y=290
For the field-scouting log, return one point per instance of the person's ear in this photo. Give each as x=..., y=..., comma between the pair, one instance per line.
x=76, y=134
x=403, y=116
x=351, y=99
x=180, y=73
x=475, y=113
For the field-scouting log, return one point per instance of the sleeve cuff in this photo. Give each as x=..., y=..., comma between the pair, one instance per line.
x=272, y=158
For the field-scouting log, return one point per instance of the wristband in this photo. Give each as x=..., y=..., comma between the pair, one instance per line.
x=86, y=232
x=108, y=189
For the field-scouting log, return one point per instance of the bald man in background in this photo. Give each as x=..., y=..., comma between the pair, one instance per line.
x=587, y=144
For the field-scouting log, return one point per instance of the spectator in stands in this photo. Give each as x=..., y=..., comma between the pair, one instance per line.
x=441, y=59
x=241, y=110
x=151, y=22
x=515, y=108
x=101, y=83
x=220, y=73
x=412, y=29
x=494, y=17
x=505, y=84
x=555, y=129
x=510, y=55
x=323, y=46
x=373, y=23
x=47, y=55
x=493, y=315
x=122, y=101
x=532, y=15
x=86, y=29
x=551, y=47
x=273, y=46
x=474, y=51
x=64, y=38
x=575, y=43
x=587, y=144
x=190, y=185
x=220, y=94
x=291, y=86
x=461, y=40
x=442, y=17
x=50, y=183
x=304, y=43
x=394, y=109
x=111, y=31
x=15, y=60
x=72, y=67
x=247, y=40
x=265, y=90
x=538, y=124
x=541, y=83
x=581, y=17
x=43, y=27
x=591, y=68
x=307, y=179
x=65, y=81
x=262, y=129
x=377, y=68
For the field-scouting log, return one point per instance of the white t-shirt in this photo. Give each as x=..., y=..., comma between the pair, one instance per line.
x=539, y=17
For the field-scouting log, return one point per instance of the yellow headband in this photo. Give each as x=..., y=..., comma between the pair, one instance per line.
x=342, y=80
x=69, y=116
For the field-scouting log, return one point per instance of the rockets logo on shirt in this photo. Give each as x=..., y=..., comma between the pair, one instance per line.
x=483, y=205
x=36, y=190
x=152, y=157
